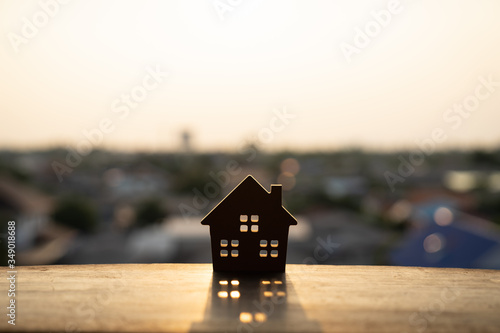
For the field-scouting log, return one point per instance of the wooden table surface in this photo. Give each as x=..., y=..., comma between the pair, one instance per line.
x=182, y=297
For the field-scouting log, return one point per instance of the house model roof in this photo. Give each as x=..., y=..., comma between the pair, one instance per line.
x=253, y=195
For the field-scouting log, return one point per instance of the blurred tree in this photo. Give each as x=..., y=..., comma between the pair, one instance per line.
x=489, y=206
x=75, y=212
x=484, y=158
x=193, y=173
x=14, y=171
x=149, y=211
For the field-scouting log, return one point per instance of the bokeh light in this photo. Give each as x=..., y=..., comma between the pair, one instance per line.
x=433, y=243
x=290, y=165
x=400, y=211
x=443, y=216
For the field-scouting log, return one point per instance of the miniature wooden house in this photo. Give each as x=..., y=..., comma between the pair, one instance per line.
x=249, y=229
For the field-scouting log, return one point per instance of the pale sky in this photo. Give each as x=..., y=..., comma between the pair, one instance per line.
x=227, y=76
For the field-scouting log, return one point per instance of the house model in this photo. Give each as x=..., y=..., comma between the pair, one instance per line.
x=249, y=229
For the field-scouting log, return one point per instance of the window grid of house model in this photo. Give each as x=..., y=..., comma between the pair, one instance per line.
x=264, y=245
x=229, y=248
x=244, y=226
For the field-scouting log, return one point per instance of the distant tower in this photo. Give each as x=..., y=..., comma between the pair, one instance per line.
x=186, y=142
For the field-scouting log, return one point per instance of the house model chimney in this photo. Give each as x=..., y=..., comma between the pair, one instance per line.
x=276, y=194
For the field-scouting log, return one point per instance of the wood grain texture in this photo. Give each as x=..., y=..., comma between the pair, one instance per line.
x=181, y=297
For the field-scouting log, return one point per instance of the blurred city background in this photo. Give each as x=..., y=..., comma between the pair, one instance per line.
x=124, y=122
x=146, y=207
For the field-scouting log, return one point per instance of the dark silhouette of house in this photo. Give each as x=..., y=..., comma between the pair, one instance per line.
x=249, y=229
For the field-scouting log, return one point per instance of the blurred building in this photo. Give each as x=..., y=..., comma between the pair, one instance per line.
x=444, y=237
